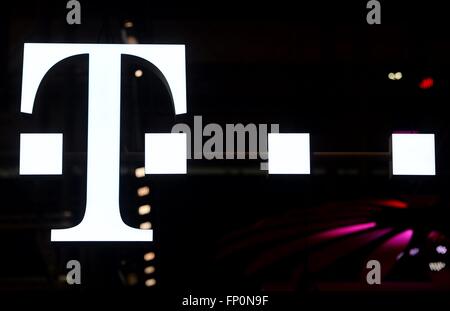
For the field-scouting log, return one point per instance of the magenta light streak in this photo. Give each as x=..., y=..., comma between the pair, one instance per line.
x=400, y=240
x=275, y=254
x=338, y=232
x=388, y=252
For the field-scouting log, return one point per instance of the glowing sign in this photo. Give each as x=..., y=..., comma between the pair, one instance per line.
x=102, y=220
x=413, y=154
x=41, y=153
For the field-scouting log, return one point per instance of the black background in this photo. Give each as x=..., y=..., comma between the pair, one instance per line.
x=310, y=67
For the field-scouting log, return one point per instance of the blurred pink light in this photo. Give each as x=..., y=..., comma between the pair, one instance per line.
x=389, y=252
x=275, y=254
x=333, y=233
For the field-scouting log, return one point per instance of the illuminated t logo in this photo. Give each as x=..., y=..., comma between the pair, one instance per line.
x=102, y=220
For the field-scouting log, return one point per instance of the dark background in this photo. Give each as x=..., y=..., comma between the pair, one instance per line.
x=317, y=68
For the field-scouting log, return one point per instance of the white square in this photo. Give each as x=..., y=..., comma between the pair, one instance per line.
x=41, y=154
x=413, y=154
x=166, y=153
x=288, y=153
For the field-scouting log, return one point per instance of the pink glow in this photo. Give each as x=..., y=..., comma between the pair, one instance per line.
x=338, y=232
x=389, y=252
x=401, y=240
x=275, y=254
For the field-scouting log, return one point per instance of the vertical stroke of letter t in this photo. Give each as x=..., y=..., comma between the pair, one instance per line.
x=102, y=220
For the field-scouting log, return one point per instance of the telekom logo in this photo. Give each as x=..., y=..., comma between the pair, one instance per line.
x=39, y=152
